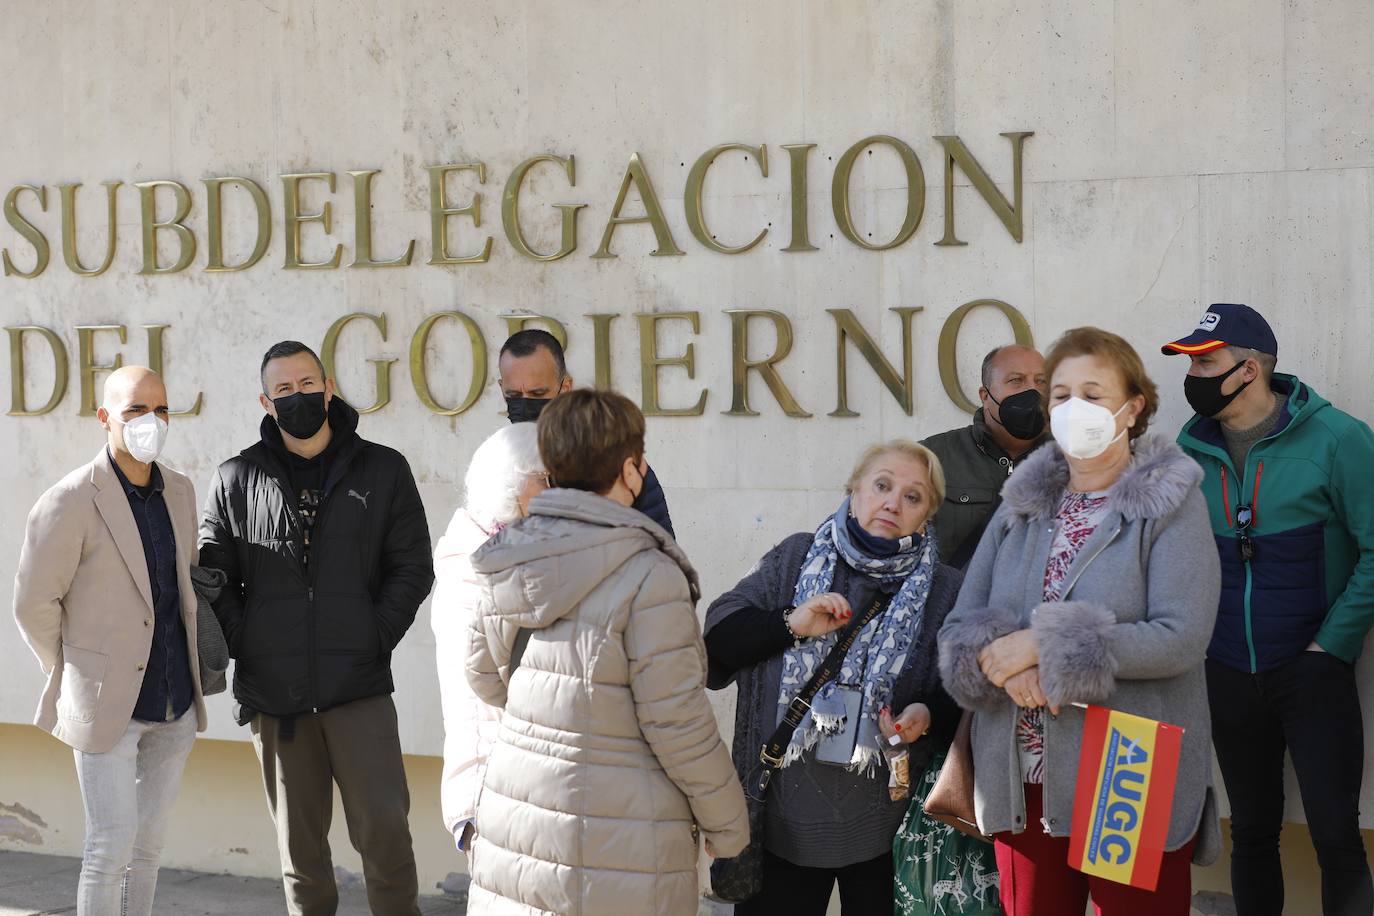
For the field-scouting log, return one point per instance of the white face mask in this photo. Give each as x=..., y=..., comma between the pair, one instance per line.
x=145, y=436
x=1084, y=429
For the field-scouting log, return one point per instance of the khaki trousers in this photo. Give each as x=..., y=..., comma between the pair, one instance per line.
x=357, y=746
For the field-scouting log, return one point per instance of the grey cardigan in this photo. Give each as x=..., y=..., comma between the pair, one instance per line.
x=1130, y=634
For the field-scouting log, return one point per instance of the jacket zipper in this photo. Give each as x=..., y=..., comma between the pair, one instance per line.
x=308, y=574
x=1250, y=573
x=311, y=623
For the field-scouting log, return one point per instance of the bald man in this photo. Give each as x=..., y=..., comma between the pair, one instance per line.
x=104, y=598
x=978, y=458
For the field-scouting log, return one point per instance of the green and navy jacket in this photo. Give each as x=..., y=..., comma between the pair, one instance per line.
x=1310, y=487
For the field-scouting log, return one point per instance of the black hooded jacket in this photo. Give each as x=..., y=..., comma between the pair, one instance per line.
x=310, y=636
x=653, y=503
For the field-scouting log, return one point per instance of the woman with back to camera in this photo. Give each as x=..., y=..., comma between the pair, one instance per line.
x=829, y=816
x=1096, y=582
x=609, y=759
x=504, y=475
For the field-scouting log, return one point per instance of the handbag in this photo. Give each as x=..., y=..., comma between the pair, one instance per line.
x=740, y=877
x=951, y=798
x=937, y=870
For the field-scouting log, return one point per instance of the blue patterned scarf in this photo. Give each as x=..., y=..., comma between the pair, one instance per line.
x=877, y=656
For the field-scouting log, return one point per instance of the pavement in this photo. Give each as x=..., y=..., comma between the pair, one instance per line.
x=36, y=885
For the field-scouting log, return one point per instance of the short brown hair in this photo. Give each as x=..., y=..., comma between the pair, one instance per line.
x=1116, y=352
x=585, y=436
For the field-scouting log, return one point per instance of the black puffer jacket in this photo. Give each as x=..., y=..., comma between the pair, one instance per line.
x=311, y=638
x=653, y=503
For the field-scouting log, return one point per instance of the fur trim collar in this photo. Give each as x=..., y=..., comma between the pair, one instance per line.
x=1155, y=483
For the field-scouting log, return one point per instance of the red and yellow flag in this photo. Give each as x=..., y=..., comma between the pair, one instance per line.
x=1126, y=774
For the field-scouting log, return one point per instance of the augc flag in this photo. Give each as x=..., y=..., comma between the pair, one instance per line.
x=1126, y=774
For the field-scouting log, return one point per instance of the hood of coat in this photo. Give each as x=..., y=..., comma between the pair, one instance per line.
x=1155, y=483
x=462, y=537
x=542, y=567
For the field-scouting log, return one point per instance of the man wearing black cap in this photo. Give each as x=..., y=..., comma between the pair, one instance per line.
x=1288, y=485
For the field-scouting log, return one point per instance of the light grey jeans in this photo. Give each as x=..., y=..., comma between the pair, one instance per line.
x=128, y=792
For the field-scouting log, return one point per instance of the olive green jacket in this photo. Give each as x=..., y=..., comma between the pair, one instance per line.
x=975, y=468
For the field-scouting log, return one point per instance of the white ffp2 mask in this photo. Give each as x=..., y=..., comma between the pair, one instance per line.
x=1084, y=429
x=145, y=436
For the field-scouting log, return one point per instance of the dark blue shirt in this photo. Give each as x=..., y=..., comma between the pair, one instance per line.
x=167, y=676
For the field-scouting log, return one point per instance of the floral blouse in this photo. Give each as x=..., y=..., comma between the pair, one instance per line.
x=1078, y=517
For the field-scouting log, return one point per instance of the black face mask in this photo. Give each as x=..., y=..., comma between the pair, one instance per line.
x=525, y=410
x=301, y=415
x=876, y=546
x=1021, y=414
x=1204, y=394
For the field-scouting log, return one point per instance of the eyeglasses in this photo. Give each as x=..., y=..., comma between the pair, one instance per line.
x=1245, y=517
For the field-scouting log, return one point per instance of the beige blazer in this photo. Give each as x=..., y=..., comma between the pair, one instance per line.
x=84, y=603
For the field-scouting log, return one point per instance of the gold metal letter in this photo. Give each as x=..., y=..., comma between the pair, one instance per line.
x=18, y=406
x=510, y=209
x=86, y=365
x=383, y=366
x=601, y=337
x=801, y=239
x=69, y=252
x=28, y=230
x=419, y=375
x=292, y=219
x=147, y=201
x=653, y=213
x=956, y=153
x=741, y=364
x=214, y=238
x=517, y=323
x=949, y=340
x=649, y=361
x=362, y=225
x=155, y=361
x=915, y=191
x=847, y=327
x=440, y=212
x=696, y=184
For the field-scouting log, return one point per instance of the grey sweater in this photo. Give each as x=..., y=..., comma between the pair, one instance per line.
x=1130, y=634
x=819, y=815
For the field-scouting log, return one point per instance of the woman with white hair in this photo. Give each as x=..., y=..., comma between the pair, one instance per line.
x=504, y=475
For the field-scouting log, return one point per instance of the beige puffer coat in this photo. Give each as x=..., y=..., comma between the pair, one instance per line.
x=608, y=750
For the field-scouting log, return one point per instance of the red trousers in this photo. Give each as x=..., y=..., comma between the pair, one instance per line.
x=1037, y=880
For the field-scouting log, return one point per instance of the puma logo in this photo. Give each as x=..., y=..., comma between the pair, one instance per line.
x=360, y=497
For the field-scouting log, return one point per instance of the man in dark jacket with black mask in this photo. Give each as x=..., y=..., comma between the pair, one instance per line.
x=534, y=372
x=977, y=459
x=324, y=540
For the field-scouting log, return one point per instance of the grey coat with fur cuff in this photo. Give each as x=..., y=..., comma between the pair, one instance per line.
x=1131, y=632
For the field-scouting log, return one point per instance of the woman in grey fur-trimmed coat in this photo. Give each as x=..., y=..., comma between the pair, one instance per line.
x=1097, y=582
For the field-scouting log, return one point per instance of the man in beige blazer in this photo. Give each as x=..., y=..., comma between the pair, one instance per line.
x=103, y=597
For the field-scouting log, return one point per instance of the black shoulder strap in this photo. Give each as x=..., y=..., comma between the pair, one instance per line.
x=776, y=746
x=517, y=649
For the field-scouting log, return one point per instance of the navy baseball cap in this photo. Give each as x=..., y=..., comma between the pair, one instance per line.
x=1226, y=324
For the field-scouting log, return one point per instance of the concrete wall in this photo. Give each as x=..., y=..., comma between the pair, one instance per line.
x=220, y=823
x=1182, y=153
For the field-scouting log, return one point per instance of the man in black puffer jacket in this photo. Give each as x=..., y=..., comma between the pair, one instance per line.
x=325, y=544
